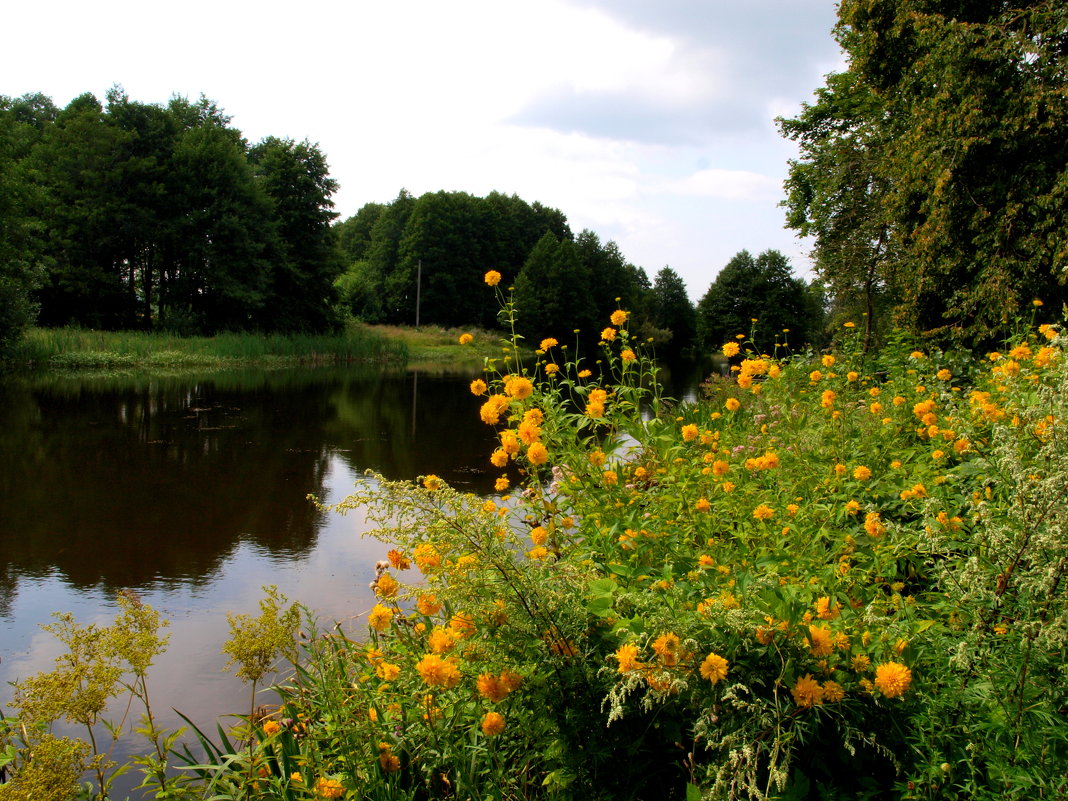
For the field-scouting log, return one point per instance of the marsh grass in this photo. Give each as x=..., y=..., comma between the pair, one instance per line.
x=73, y=348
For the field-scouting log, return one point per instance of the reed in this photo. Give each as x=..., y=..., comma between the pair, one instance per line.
x=75, y=348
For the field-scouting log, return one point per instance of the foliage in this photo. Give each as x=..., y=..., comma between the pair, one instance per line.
x=671, y=309
x=836, y=576
x=21, y=270
x=100, y=664
x=943, y=144
x=134, y=215
x=76, y=348
x=760, y=297
x=834, y=580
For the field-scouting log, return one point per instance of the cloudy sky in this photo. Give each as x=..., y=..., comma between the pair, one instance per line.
x=647, y=121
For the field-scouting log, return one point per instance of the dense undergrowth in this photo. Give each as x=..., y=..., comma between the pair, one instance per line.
x=838, y=577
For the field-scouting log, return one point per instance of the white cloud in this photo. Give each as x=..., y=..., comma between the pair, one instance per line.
x=727, y=185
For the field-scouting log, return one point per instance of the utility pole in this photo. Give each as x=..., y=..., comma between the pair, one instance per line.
x=418, y=288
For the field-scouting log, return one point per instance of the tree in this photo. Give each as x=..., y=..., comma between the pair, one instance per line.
x=759, y=295
x=614, y=283
x=81, y=203
x=20, y=246
x=836, y=195
x=671, y=309
x=296, y=180
x=961, y=107
x=552, y=292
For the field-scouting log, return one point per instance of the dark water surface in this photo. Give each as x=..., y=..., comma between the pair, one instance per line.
x=192, y=490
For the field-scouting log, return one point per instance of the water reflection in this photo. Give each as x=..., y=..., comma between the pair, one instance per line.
x=124, y=482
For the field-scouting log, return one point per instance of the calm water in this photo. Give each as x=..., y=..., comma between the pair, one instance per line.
x=192, y=491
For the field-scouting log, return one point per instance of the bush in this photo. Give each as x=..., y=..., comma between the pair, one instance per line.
x=831, y=578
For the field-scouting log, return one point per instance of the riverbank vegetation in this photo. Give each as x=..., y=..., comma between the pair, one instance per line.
x=75, y=349
x=833, y=577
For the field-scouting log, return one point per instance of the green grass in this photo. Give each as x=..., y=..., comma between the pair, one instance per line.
x=74, y=348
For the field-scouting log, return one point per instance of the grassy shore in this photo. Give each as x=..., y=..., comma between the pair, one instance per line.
x=78, y=349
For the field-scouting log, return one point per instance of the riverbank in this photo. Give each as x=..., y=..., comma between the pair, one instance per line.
x=80, y=349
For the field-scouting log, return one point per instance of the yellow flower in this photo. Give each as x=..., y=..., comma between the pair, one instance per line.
x=493, y=408
x=539, y=535
x=820, y=641
x=380, y=617
x=627, y=657
x=828, y=360
x=501, y=484
x=828, y=398
x=825, y=610
x=849, y=325
x=917, y=354
x=478, y=387
x=271, y=727
x=892, y=679
x=426, y=557
x=387, y=671
x=608, y=334
x=702, y=505
x=731, y=349
x=732, y=404
x=584, y=373
x=438, y=672
x=432, y=482
x=944, y=374
x=537, y=454
x=428, y=604
x=329, y=788
x=551, y=368
x=441, y=640
x=491, y=688
x=386, y=586
x=861, y=663
x=492, y=724
x=628, y=355
x=862, y=473
x=492, y=278
x=807, y=692
x=689, y=432
x=518, y=387
x=389, y=761
x=714, y=668
x=874, y=525
x=763, y=512
x=466, y=339
x=667, y=647
x=832, y=691
x=618, y=318
x=547, y=343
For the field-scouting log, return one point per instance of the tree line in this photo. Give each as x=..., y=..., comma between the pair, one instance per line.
x=129, y=215
x=933, y=170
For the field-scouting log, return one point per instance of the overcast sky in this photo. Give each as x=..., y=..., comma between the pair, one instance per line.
x=648, y=121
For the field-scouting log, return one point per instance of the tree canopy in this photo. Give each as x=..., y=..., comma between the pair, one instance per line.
x=758, y=298
x=934, y=170
x=135, y=215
